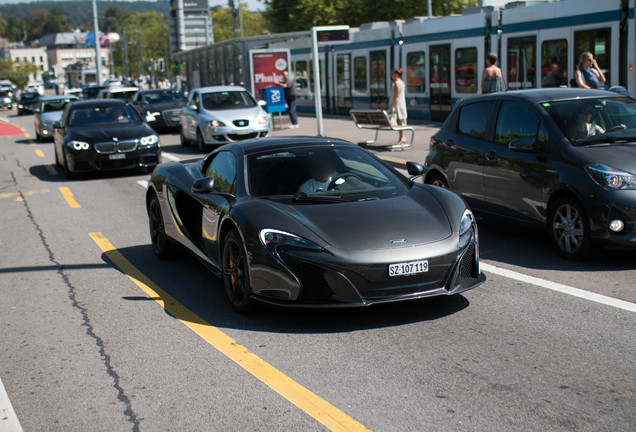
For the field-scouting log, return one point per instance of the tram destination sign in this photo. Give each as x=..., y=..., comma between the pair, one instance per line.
x=333, y=35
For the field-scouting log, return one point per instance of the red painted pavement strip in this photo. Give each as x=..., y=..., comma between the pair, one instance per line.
x=9, y=129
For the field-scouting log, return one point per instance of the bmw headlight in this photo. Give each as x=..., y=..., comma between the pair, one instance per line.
x=79, y=145
x=467, y=222
x=272, y=239
x=149, y=140
x=611, y=178
x=216, y=123
x=20, y=106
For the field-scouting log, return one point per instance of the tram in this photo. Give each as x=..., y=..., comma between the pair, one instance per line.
x=442, y=57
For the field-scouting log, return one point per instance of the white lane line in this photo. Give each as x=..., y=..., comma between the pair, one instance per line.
x=170, y=156
x=565, y=289
x=143, y=183
x=8, y=419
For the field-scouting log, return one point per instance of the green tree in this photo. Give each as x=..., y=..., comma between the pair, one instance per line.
x=18, y=72
x=298, y=15
x=149, y=25
x=112, y=20
x=3, y=26
x=253, y=23
x=56, y=22
x=17, y=29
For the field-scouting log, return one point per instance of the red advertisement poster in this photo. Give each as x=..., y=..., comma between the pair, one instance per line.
x=267, y=66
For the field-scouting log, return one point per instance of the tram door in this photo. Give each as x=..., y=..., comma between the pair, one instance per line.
x=440, y=67
x=344, y=97
x=377, y=61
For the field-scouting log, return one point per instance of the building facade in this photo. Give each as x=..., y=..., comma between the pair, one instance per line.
x=190, y=25
x=36, y=56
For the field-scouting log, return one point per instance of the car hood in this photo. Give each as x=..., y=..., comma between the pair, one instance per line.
x=97, y=133
x=51, y=116
x=412, y=219
x=228, y=116
x=620, y=156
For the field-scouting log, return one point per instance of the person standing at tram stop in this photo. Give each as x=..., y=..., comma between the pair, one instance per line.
x=397, y=103
x=491, y=78
x=289, y=86
x=588, y=74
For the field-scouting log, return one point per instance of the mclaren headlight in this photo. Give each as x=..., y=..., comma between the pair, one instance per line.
x=149, y=140
x=468, y=220
x=611, y=178
x=79, y=145
x=272, y=239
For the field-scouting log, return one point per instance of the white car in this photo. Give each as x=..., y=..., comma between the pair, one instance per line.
x=37, y=86
x=222, y=114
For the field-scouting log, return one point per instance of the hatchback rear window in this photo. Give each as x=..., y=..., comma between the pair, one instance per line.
x=473, y=119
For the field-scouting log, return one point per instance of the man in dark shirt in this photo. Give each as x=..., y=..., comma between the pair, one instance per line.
x=290, y=98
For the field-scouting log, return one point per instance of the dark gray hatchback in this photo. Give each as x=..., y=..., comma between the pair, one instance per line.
x=564, y=159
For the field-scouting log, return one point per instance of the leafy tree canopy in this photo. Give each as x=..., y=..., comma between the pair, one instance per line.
x=298, y=15
x=17, y=72
x=253, y=23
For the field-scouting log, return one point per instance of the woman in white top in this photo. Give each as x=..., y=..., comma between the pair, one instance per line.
x=397, y=104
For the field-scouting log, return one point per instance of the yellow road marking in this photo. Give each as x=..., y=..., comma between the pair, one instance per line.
x=19, y=197
x=50, y=168
x=23, y=129
x=32, y=143
x=28, y=135
x=68, y=196
x=39, y=153
x=322, y=411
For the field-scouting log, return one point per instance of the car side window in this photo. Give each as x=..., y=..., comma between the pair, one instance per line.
x=223, y=169
x=473, y=119
x=515, y=121
x=194, y=99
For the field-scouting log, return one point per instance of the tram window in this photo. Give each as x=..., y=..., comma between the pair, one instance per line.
x=301, y=75
x=473, y=119
x=554, y=63
x=311, y=75
x=360, y=74
x=521, y=61
x=466, y=70
x=598, y=43
x=415, y=70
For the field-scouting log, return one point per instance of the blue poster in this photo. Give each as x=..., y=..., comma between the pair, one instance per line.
x=89, y=39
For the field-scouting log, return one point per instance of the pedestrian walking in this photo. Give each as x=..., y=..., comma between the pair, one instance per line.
x=289, y=86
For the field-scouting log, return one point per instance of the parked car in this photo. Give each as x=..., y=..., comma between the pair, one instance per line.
x=28, y=101
x=10, y=88
x=562, y=159
x=104, y=135
x=48, y=113
x=6, y=100
x=221, y=114
x=160, y=108
x=252, y=212
x=123, y=93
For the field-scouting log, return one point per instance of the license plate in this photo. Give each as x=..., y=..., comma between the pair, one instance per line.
x=117, y=156
x=243, y=132
x=408, y=268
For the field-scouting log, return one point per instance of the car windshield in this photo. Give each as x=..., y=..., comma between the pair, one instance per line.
x=595, y=120
x=122, y=94
x=85, y=116
x=54, y=105
x=321, y=175
x=30, y=95
x=163, y=96
x=223, y=100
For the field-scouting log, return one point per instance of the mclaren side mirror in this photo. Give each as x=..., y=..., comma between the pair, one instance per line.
x=203, y=185
x=414, y=168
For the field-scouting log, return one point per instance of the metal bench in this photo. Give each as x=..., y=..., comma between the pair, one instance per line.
x=379, y=120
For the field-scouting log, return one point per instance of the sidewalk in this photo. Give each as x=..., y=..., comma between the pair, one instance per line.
x=345, y=128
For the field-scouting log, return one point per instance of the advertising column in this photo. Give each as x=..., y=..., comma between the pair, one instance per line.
x=265, y=67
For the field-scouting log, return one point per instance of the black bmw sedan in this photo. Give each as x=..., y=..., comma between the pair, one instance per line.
x=104, y=135
x=562, y=159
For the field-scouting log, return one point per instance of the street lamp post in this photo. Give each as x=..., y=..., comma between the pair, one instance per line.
x=98, y=54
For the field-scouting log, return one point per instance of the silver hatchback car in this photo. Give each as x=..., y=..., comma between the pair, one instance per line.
x=217, y=115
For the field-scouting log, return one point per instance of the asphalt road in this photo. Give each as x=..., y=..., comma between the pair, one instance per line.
x=99, y=335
